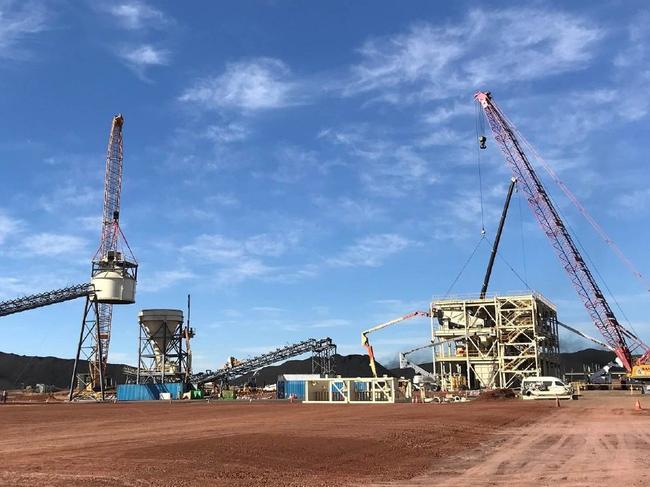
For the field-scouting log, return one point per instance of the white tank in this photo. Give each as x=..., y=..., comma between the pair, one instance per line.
x=113, y=287
x=161, y=325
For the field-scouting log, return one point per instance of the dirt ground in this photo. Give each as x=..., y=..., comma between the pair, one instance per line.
x=500, y=442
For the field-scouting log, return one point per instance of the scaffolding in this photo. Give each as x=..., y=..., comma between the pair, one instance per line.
x=493, y=342
x=357, y=390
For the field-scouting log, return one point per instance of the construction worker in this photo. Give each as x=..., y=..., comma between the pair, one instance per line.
x=4, y=396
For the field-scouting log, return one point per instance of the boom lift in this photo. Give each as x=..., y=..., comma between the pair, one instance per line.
x=624, y=342
x=366, y=342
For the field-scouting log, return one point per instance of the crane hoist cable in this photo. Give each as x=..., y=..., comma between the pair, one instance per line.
x=583, y=211
x=462, y=270
x=481, y=139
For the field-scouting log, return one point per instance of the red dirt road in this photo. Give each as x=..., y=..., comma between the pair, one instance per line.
x=599, y=440
x=594, y=441
x=183, y=444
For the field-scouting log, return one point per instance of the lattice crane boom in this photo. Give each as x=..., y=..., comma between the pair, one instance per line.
x=549, y=219
x=112, y=189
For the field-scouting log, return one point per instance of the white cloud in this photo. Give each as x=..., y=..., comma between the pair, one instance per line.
x=8, y=226
x=144, y=56
x=11, y=287
x=18, y=22
x=349, y=210
x=52, y=244
x=225, y=134
x=240, y=260
x=258, y=84
x=332, y=323
x=633, y=203
x=70, y=195
x=438, y=62
x=138, y=15
x=163, y=279
x=294, y=164
x=386, y=167
x=370, y=251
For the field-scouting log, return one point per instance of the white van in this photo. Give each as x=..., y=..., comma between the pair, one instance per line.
x=545, y=388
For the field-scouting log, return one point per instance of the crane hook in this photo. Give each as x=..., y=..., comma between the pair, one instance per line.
x=482, y=142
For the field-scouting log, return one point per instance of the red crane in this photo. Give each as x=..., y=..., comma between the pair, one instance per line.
x=113, y=274
x=623, y=341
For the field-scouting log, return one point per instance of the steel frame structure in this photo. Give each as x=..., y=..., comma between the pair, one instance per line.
x=170, y=364
x=503, y=339
x=89, y=349
x=358, y=390
x=39, y=300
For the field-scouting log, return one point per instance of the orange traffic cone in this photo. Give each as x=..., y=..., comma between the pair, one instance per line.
x=637, y=406
x=557, y=402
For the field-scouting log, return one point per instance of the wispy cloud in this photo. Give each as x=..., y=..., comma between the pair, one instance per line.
x=19, y=21
x=370, y=251
x=158, y=281
x=8, y=226
x=386, y=166
x=227, y=133
x=70, y=195
x=349, y=210
x=52, y=244
x=434, y=62
x=257, y=84
x=139, y=59
x=294, y=164
x=241, y=260
x=138, y=15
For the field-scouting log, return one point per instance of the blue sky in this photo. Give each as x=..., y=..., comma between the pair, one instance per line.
x=309, y=169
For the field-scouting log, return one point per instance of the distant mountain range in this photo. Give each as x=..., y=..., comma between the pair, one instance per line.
x=18, y=371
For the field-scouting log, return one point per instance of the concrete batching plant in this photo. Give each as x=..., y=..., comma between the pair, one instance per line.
x=161, y=355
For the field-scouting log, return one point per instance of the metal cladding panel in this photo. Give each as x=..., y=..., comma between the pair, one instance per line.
x=291, y=387
x=297, y=377
x=360, y=386
x=148, y=392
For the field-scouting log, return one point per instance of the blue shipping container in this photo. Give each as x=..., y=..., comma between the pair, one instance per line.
x=286, y=388
x=148, y=392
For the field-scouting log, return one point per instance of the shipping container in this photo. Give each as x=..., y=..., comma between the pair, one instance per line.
x=291, y=387
x=289, y=384
x=148, y=392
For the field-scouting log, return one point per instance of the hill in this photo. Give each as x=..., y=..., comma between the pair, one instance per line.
x=19, y=371
x=589, y=358
x=344, y=365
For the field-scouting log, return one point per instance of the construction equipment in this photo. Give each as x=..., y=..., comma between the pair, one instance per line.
x=113, y=273
x=321, y=349
x=423, y=379
x=497, y=238
x=366, y=342
x=624, y=342
x=39, y=300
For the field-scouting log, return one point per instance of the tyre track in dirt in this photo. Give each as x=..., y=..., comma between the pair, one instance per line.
x=590, y=442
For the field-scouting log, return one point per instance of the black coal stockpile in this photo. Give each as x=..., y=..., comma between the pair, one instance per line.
x=344, y=365
x=20, y=371
x=588, y=358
